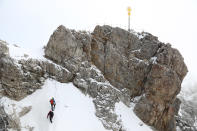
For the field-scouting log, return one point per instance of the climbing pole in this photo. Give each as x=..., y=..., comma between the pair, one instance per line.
x=129, y=14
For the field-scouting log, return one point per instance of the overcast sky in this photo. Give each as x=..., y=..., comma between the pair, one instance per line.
x=29, y=23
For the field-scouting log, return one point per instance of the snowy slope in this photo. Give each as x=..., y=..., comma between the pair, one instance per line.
x=18, y=53
x=130, y=121
x=74, y=111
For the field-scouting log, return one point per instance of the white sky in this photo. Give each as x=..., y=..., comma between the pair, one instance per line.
x=29, y=23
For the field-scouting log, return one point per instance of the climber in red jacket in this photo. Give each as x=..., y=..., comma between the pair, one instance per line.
x=50, y=115
x=52, y=101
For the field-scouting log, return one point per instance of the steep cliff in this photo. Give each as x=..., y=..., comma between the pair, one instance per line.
x=136, y=61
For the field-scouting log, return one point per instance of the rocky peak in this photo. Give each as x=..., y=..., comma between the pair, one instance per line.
x=66, y=44
x=136, y=61
x=4, y=50
x=131, y=65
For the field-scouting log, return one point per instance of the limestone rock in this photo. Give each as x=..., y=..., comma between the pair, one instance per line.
x=123, y=57
x=8, y=121
x=4, y=50
x=172, y=58
x=127, y=61
x=28, y=75
x=65, y=44
x=162, y=85
x=11, y=83
x=186, y=118
x=91, y=81
x=137, y=63
x=131, y=65
x=4, y=120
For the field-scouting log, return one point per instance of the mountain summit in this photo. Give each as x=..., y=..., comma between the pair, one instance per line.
x=111, y=65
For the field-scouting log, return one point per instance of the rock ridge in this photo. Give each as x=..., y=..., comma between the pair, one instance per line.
x=110, y=65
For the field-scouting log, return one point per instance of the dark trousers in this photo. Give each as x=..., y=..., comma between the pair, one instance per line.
x=51, y=119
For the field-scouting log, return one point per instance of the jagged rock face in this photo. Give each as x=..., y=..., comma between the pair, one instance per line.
x=91, y=81
x=135, y=66
x=161, y=87
x=7, y=121
x=4, y=120
x=4, y=50
x=143, y=65
x=126, y=61
x=122, y=57
x=69, y=48
x=62, y=45
x=21, y=78
x=186, y=120
x=28, y=76
x=171, y=58
x=11, y=83
x=65, y=44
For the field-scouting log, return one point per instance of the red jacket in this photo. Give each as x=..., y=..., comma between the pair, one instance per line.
x=51, y=101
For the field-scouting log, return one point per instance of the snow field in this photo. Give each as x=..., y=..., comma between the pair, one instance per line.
x=130, y=121
x=74, y=111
